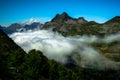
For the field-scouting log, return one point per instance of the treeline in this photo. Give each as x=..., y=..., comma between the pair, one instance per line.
x=35, y=66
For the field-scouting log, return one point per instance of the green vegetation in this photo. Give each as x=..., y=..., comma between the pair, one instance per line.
x=111, y=50
x=35, y=66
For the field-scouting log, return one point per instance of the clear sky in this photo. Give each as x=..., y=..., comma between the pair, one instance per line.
x=19, y=10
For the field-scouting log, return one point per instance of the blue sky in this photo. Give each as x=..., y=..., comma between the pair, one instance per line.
x=19, y=10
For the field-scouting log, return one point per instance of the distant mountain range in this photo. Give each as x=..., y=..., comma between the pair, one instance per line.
x=5, y=30
x=21, y=27
x=67, y=25
x=17, y=27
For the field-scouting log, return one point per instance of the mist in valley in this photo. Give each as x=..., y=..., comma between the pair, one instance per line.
x=79, y=48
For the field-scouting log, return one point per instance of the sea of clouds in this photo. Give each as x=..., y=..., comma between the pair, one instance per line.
x=57, y=47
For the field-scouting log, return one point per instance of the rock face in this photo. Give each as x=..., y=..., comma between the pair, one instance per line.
x=67, y=25
x=64, y=23
x=61, y=18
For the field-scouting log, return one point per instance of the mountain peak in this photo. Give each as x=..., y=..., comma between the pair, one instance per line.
x=115, y=19
x=64, y=14
x=82, y=20
x=61, y=17
x=30, y=21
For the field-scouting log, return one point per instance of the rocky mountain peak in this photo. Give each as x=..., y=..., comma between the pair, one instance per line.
x=31, y=21
x=82, y=20
x=65, y=14
x=116, y=19
x=61, y=17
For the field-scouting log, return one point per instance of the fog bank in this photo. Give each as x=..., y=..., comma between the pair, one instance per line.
x=57, y=47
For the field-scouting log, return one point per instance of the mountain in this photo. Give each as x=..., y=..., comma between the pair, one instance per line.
x=30, y=21
x=15, y=64
x=33, y=26
x=7, y=44
x=67, y=25
x=61, y=18
x=13, y=27
x=116, y=19
x=17, y=27
x=5, y=30
x=111, y=26
x=11, y=57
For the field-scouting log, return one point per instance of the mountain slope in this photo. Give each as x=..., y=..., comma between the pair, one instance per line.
x=7, y=44
x=111, y=26
x=11, y=57
x=116, y=19
x=5, y=30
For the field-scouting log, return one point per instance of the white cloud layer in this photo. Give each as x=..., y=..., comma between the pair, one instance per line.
x=55, y=46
